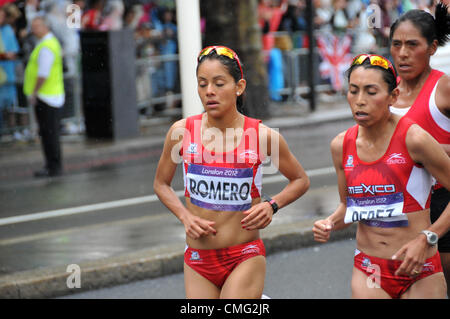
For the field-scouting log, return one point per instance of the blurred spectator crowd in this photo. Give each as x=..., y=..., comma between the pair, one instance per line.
x=358, y=17
x=343, y=28
x=151, y=21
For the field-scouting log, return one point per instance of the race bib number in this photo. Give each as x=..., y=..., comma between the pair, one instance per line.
x=378, y=211
x=220, y=188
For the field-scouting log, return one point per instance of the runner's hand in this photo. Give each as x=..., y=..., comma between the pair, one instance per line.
x=322, y=230
x=258, y=216
x=414, y=253
x=197, y=227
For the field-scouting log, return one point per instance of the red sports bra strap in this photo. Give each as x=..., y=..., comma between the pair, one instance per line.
x=252, y=123
x=190, y=128
x=434, y=76
x=349, y=144
x=405, y=123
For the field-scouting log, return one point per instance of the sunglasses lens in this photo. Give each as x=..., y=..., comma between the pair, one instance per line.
x=374, y=60
x=205, y=51
x=359, y=59
x=221, y=51
x=225, y=52
x=379, y=61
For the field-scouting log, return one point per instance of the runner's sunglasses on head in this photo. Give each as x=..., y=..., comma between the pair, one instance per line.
x=376, y=60
x=221, y=50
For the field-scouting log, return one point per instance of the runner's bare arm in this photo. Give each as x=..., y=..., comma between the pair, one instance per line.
x=260, y=215
x=322, y=228
x=290, y=167
x=195, y=226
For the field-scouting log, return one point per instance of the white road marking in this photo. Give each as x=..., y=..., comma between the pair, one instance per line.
x=130, y=201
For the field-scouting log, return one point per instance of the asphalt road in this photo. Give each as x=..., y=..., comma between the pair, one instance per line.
x=128, y=179
x=31, y=244
x=318, y=272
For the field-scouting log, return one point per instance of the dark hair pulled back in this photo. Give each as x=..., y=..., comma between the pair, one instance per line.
x=388, y=76
x=232, y=67
x=431, y=28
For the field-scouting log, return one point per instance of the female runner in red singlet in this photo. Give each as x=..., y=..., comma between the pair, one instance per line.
x=383, y=164
x=425, y=92
x=222, y=153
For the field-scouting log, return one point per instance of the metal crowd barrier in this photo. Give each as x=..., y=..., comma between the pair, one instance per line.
x=151, y=97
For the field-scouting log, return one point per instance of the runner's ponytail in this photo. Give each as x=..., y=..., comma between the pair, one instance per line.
x=442, y=22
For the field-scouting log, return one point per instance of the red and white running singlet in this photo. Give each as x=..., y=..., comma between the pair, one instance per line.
x=425, y=112
x=222, y=181
x=380, y=193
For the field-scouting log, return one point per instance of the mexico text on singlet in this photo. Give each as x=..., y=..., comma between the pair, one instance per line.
x=380, y=193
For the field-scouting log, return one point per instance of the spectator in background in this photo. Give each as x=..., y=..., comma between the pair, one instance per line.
x=113, y=19
x=31, y=10
x=293, y=19
x=407, y=5
x=396, y=7
x=12, y=14
x=425, y=5
x=294, y=22
x=364, y=39
x=382, y=33
x=92, y=18
x=3, y=2
x=56, y=16
x=8, y=52
x=43, y=84
x=270, y=15
x=322, y=15
x=132, y=16
x=17, y=119
x=169, y=46
x=340, y=19
x=55, y=12
x=81, y=4
x=354, y=7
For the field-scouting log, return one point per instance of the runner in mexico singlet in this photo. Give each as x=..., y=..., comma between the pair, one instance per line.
x=380, y=193
x=225, y=181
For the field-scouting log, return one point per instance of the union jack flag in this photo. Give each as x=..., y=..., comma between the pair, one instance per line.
x=336, y=58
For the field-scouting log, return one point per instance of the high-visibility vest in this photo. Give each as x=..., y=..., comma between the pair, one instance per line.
x=54, y=84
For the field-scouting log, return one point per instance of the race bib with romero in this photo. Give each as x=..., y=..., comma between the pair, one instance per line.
x=220, y=188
